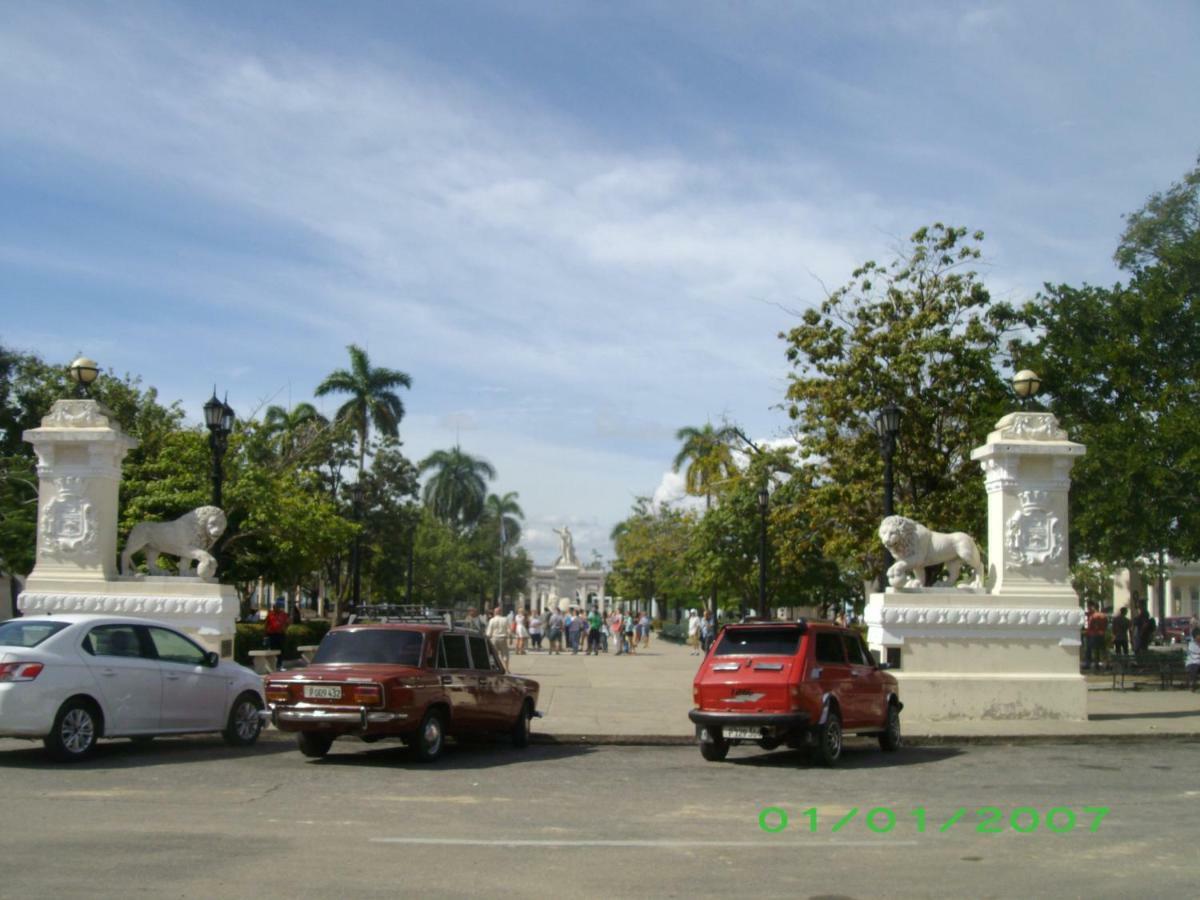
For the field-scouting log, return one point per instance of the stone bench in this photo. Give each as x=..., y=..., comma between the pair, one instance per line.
x=306, y=651
x=265, y=661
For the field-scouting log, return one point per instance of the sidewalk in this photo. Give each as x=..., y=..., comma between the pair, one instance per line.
x=645, y=698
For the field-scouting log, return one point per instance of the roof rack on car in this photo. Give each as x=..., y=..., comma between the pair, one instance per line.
x=389, y=612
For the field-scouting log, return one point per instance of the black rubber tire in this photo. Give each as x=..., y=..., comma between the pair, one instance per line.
x=312, y=745
x=523, y=726
x=829, y=740
x=891, y=740
x=716, y=749
x=431, y=736
x=76, y=728
x=244, y=725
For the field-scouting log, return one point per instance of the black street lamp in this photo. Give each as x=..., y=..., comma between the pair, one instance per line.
x=83, y=372
x=218, y=416
x=356, y=551
x=764, y=500
x=887, y=426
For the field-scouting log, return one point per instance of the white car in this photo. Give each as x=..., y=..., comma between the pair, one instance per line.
x=71, y=679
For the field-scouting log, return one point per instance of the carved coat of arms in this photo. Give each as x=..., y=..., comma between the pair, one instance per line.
x=1035, y=535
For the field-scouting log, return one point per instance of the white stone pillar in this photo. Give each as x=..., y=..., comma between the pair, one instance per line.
x=1027, y=464
x=79, y=447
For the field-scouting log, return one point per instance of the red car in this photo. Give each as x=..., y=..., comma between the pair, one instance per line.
x=415, y=682
x=803, y=684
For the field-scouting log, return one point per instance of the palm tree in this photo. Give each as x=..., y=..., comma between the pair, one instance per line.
x=508, y=513
x=372, y=398
x=290, y=423
x=456, y=492
x=708, y=454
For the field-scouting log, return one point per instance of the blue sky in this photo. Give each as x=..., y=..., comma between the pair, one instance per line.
x=573, y=224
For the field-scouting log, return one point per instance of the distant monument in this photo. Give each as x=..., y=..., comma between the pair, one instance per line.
x=1010, y=648
x=567, y=582
x=80, y=448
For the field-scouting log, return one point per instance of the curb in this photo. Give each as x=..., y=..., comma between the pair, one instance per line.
x=910, y=740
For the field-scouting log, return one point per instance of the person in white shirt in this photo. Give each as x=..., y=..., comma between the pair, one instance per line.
x=497, y=631
x=693, y=632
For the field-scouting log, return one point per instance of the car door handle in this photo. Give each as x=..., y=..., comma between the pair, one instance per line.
x=109, y=672
x=172, y=677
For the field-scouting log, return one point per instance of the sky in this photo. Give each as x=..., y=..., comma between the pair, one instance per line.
x=578, y=226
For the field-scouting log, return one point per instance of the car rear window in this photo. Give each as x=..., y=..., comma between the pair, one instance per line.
x=22, y=633
x=385, y=646
x=759, y=642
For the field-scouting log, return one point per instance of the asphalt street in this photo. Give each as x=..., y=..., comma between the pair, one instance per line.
x=192, y=818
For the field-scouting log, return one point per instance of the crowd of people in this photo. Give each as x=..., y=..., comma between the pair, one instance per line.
x=576, y=630
x=1136, y=634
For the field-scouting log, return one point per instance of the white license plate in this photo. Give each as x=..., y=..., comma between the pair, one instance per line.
x=322, y=692
x=746, y=734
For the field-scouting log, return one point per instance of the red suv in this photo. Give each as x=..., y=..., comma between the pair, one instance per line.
x=803, y=684
x=418, y=683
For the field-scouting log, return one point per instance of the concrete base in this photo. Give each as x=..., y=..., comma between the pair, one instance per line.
x=950, y=697
x=204, y=610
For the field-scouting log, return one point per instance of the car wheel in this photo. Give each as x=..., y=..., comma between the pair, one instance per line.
x=829, y=740
x=431, y=736
x=890, y=739
x=313, y=746
x=523, y=726
x=244, y=723
x=75, y=730
x=716, y=749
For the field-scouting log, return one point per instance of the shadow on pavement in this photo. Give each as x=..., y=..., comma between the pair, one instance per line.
x=1174, y=714
x=125, y=754
x=464, y=755
x=853, y=757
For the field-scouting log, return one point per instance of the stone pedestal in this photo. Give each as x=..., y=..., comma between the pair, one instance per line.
x=566, y=582
x=1011, y=650
x=80, y=448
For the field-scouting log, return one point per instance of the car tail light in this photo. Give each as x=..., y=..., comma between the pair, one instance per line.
x=20, y=671
x=368, y=695
x=277, y=693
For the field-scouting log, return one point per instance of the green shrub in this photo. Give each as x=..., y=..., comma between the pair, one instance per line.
x=250, y=636
x=674, y=633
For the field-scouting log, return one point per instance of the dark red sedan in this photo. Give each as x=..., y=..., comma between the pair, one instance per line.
x=418, y=683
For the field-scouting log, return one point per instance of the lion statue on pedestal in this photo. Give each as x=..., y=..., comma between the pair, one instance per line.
x=914, y=547
x=189, y=537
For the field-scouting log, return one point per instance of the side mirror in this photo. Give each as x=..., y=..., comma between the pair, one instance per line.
x=211, y=659
x=883, y=665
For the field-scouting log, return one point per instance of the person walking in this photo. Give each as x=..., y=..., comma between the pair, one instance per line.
x=275, y=629
x=497, y=630
x=474, y=621
x=1094, y=631
x=521, y=630
x=1192, y=660
x=644, y=628
x=706, y=632
x=615, y=626
x=693, y=632
x=556, y=626
x=535, y=630
x=1139, y=626
x=1120, y=630
x=595, y=629
x=574, y=630
x=630, y=633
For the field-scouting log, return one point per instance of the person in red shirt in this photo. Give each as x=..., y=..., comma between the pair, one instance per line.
x=1093, y=636
x=277, y=626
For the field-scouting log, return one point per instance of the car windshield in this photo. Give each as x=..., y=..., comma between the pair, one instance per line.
x=20, y=633
x=386, y=646
x=759, y=642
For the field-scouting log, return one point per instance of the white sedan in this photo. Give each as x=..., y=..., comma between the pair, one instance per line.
x=72, y=679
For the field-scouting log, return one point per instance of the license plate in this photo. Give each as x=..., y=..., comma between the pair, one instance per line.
x=322, y=692
x=747, y=734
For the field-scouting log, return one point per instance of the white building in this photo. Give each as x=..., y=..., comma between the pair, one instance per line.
x=1181, y=588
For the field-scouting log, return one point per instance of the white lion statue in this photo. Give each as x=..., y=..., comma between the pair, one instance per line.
x=914, y=547
x=189, y=537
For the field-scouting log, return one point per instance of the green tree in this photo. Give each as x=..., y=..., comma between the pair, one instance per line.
x=458, y=487
x=373, y=400
x=922, y=332
x=650, y=564
x=708, y=454
x=295, y=427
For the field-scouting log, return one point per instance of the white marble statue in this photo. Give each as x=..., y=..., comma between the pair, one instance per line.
x=914, y=547
x=566, y=546
x=189, y=537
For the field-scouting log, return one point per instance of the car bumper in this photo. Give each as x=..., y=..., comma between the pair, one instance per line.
x=773, y=723
x=345, y=720
x=26, y=711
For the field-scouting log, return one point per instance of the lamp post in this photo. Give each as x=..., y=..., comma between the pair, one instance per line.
x=887, y=426
x=764, y=500
x=83, y=372
x=1026, y=384
x=218, y=416
x=356, y=551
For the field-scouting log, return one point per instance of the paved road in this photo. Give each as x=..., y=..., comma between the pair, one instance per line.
x=191, y=818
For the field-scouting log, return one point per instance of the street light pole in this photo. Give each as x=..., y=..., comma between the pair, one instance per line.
x=356, y=550
x=764, y=499
x=219, y=417
x=887, y=426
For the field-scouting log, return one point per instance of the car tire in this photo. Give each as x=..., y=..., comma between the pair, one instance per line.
x=314, y=746
x=829, y=740
x=891, y=739
x=76, y=728
x=244, y=724
x=716, y=749
x=523, y=726
x=431, y=736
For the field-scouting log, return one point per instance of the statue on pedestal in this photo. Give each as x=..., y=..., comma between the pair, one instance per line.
x=189, y=537
x=914, y=547
x=566, y=547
